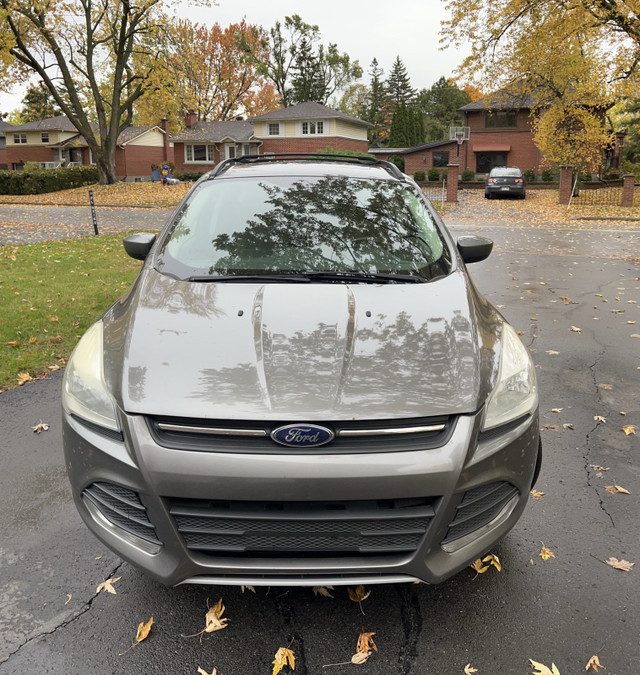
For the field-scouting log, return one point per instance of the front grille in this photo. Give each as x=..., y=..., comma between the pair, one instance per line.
x=123, y=508
x=302, y=529
x=478, y=507
x=361, y=436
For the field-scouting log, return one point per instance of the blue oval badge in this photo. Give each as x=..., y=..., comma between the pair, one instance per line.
x=302, y=435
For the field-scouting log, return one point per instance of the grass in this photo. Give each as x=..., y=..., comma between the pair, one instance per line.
x=50, y=293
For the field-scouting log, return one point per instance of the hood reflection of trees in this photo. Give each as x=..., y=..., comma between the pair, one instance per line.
x=333, y=224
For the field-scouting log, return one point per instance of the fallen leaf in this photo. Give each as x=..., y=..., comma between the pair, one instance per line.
x=55, y=339
x=605, y=386
x=366, y=643
x=213, y=618
x=107, y=585
x=69, y=596
x=553, y=352
x=204, y=672
x=283, y=657
x=623, y=565
x=616, y=488
x=478, y=566
x=567, y=425
x=143, y=630
x=597, y=467
x=33, y=340
x=493, y=560
x=468, y=670
x=249, y=588
x=594, y=662
x=13, y=343
x=54, y=319
x=541, y=669
x=629, y=429
x=635, y=335
x=556, y=410
x=360, y=657
x=575, y=329
x=41, y=426
x=23, y=377
x=599, y=418
x=546, y=553
x=323, y=590
x=359, y=594
x=552, y=427
x=536, y=494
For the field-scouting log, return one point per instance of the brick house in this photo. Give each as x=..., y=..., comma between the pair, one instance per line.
x=308, y=127
x=55, y=141
x=4, y=127
x=202, y=145
x=424, y=156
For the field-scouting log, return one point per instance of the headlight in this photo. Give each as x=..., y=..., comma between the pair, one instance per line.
x=515, y=393
x=84, y=392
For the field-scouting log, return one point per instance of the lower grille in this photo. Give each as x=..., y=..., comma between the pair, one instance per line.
x=302, y=529
x=123, y=508
x=479, y=507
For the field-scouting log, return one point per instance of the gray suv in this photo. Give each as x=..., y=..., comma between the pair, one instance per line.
x=302, y=387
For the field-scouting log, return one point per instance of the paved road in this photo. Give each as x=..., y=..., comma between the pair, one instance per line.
x=24, y=224
x=563, y=610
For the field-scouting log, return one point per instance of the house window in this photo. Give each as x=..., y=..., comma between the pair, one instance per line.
x=44, y=137
x=312, y=128
x=274, y=129
x=19, y=138
x=440, y=158
x=485, y=161
x=229, y=151
x=198, y=153
x=501, y=118
x=249, y=149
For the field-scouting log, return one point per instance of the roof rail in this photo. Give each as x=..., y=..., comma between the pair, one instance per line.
x=311, y=157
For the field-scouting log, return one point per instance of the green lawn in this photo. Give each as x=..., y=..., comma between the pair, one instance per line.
x=50, y=293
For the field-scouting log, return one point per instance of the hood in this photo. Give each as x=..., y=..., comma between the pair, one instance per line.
x=297, y=352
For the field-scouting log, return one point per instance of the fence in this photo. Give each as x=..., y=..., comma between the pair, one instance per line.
x=601, y=193
x=436, y=191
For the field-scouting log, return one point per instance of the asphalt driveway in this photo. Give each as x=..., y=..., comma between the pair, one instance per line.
x=547, y=281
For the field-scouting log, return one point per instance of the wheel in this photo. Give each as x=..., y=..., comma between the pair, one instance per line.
x=486, y=195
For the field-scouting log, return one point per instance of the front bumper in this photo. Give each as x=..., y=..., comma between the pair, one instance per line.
x=473, y=490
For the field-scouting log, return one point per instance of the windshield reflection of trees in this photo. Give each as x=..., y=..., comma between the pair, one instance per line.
x=332, y=224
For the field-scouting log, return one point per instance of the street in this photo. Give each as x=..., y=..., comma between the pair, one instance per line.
x=574, y=295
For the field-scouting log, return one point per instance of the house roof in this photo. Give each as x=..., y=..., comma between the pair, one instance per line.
x=308, y=110
x=58, y=123
x=500, y=101
x=216, y=132
x=407, y=151
x=126, y=136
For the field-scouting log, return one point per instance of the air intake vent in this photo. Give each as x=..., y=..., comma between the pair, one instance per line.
x=479, y=507
x=123, y=508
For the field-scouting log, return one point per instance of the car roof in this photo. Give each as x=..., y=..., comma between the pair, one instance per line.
x=307, y=165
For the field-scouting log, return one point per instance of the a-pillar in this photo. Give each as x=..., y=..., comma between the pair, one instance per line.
x=628, y=183
x=452, y=182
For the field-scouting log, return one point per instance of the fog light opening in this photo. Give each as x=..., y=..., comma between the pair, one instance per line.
x=507, y=510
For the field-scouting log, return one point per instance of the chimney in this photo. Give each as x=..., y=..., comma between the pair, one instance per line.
x=164, y=125
x=190, y=119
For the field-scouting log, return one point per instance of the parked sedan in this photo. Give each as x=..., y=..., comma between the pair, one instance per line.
x=504, y=180
x=302, y=387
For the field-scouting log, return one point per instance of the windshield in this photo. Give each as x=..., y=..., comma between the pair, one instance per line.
x=285, y=225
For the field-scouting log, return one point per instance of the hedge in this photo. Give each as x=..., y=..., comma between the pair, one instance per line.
x=46, y=180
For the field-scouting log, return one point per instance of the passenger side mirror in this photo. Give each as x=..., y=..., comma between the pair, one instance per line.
x=138, y=245
x=474, y=248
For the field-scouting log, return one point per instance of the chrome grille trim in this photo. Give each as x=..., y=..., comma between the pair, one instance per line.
x=388, y=432
x=211, y=431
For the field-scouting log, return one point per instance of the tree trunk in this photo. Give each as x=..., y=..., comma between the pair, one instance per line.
x=106, y=168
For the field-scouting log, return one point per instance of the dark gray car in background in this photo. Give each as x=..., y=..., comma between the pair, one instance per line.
x=302, y=387
x=505, y=181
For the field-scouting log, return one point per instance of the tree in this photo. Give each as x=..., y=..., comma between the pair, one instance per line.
x=379, y=111
x=407, y=127
x=38, y=104
x=398, y=85
x=439, y=105
x=301, y=68
x=208, y=71
x=571, y=57
x=83, y=50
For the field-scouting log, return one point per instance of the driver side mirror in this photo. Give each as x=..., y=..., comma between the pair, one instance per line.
x=474, y=248
x=138, y=245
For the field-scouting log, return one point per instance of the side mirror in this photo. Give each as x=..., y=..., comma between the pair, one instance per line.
x=138, y=245
x=474, y=249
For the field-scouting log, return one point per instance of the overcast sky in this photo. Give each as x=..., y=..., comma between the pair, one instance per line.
x=375, y=28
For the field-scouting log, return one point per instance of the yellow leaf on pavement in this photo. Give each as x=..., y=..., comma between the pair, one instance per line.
x=536, y=494
x=41, y=426
x=616, y=488
x=629, y=429
x=546, y=553
x=623, y=565
x=143, y=630
x=359, y=594
x=469, y=670
x=284, y=656
x=541, y=669
x=213, y=618
x=478, y=566
x=204, y=672
x=594, y=662
x=107, y=585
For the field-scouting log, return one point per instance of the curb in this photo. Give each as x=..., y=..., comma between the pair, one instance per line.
x=88, y=206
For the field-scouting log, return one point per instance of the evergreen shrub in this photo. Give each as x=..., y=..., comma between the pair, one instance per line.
x=468, y=175
x=41, y=181
x=529, y=175
x=419, y=176
x=433, y=174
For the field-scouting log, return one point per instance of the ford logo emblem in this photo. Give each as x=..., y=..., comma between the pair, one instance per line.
x=302, y=435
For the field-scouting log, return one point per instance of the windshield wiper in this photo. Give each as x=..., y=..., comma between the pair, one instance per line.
x=252, y=278
x=365, y=277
